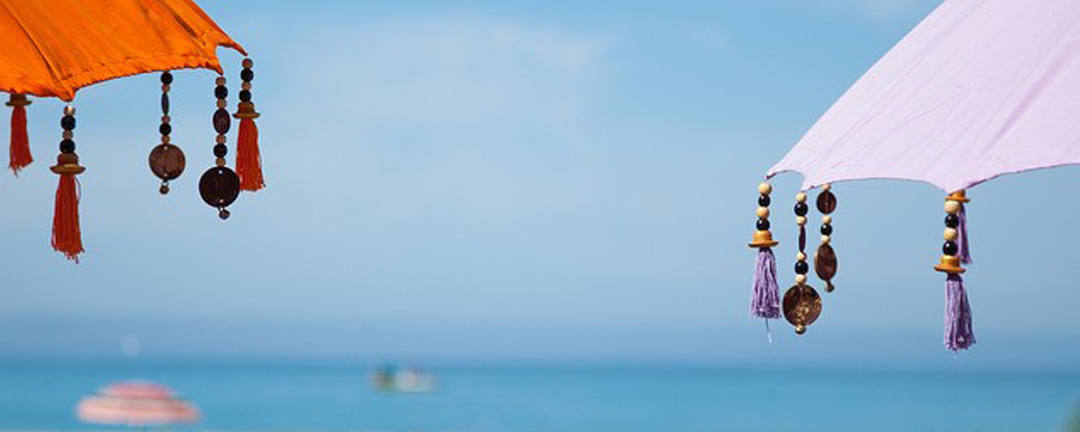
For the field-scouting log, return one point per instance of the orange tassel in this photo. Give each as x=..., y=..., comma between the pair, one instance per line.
x=66, y=236
x=248, y=160
x=20, y=140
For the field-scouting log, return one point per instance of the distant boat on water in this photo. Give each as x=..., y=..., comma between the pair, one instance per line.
x=406, y=380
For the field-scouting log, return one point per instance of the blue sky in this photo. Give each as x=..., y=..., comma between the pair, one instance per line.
x=535, y=180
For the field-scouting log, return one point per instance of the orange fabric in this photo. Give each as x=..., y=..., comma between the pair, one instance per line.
x=55, y=47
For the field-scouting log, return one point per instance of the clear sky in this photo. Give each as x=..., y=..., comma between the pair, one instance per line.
x=536, y=180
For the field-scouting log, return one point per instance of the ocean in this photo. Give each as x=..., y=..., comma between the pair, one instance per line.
x=337, y=396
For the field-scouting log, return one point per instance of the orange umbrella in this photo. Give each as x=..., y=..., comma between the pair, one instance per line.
x=52, y=48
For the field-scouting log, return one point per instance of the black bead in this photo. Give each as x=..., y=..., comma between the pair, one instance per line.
x=165, y=129
x=221, y=92
x=801, y=267
x=763, y=224
x=952, y=220
x=166, y=77
x=247, y=75
x=220, y=150
x=67, y=146
x=67, y=122
x=826, y=229
x=764, y=201
x=801, y=209
x=950, y=248
x=245, y=95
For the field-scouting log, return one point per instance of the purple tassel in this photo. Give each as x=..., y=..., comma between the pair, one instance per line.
x=958, y=332
x=766, y=301
x=962, y=237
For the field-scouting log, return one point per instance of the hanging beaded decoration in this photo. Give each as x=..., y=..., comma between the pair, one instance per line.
x=219, y=185
x=766, y=298
x=959, y=333
x=825, y=259
x=166, y=160
x=802, y=304
x=248, y=160
x=66, y=236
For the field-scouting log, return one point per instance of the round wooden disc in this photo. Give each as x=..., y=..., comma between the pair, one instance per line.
x=219, y=186
x=802, y=305
x=167, y=161
x=825, y=262
x=826, y=202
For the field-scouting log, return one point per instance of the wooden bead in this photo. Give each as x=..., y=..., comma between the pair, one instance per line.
x=165, y=88
x=800, y=279
x=245, y=86
x=764, y=188
x=220, y=81
x=220, y=139
x=69, y=134
x=800, y=329
x=165, y=139
x=800, y=256
x=763, y=212
x=69, y=110
x=247, y=63
x=826, y=219
x=165, y=119
x=952, y=206
x=800, y=220
x=951, y=234
x=222, y=103
x=825, y=239
x=800, y=197
x=219, y=162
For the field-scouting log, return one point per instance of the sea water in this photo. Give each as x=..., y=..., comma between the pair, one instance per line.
x=337, y=396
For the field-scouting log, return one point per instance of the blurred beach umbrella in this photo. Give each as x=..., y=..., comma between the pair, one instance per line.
x=979, y=89
x=136, y=404
x=52, y=48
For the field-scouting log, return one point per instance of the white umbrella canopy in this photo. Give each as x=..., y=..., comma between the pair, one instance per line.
x=979, y=89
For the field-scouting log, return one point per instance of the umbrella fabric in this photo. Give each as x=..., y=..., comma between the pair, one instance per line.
x=55, y=47
x=979, y=89
x=136, y=403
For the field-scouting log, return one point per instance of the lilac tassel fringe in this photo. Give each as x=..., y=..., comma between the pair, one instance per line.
x=766, y=301
x=962, y=237
x=958, y=332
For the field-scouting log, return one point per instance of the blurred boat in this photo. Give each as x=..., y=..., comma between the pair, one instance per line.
x=408, y=380
x=136, y=404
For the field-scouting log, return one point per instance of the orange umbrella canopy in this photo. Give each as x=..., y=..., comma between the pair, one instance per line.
x=56, y=47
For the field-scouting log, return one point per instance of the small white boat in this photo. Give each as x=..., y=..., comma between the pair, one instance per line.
x=407, y=380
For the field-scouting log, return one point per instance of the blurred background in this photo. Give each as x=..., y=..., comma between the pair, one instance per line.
x=541, y=208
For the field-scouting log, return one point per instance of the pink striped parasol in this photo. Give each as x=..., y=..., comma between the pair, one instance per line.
x=136, y=404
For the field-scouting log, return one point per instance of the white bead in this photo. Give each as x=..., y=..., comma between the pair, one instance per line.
x=826, y=187
x=826, y=219
x=800, y=256
x=764, y=188
x=952, y=206
x=951, y=234
x=800, y=279
x=763, y=212
x=800, y=220
x=800, y=197
x=69, y=110
x=825, y=239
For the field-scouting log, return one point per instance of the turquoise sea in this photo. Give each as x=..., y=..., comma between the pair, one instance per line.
x=336, y=396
